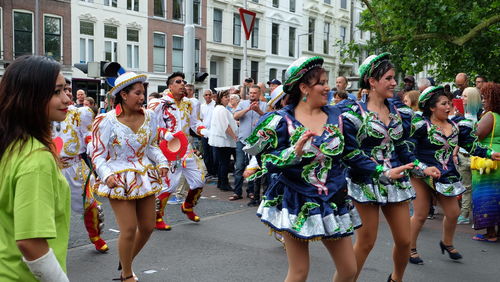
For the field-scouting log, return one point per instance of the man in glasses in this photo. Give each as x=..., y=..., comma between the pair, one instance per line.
x=175, y=115
x=479, y=81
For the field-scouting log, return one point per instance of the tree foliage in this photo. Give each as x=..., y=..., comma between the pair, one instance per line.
x=451, y=36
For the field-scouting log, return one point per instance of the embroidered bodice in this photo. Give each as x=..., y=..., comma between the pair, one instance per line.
x=116, y=148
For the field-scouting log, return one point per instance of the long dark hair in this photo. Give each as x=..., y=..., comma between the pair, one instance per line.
x=25, y=90
x=310, y=78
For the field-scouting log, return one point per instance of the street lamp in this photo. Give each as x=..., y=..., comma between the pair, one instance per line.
x=298, y=42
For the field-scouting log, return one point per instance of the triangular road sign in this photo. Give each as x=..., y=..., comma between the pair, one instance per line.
x=248, y=20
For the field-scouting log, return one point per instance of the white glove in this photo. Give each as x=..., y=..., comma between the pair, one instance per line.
x=204, y=132
x=168, y=136
x=46, y=268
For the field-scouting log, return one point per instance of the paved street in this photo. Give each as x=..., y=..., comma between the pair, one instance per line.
x=230, y=244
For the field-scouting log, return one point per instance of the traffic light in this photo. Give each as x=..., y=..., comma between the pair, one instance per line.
x=99, y=69
x=200, y=76
x=109, y=69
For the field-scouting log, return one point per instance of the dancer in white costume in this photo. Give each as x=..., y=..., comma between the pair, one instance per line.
x=127, y=159
x=74, y=133
x=175, y=115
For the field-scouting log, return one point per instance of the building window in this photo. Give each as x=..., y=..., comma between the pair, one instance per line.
x=177, y=50
x=283, y=72
x=159, y=8
x=326, y=39
x=255, y=34
x=133, y=5
x=132, y=48
x=291, y=41
x=310, y=38
x=292, y=6
x=86, y=42
x=52, y=37
x=236, y=30
x=254, y=70
x=196, y=12
x=276, y=3
x=272, y=74
x=177, y=10
x=236, y=71
x=111, y=3
x=275, y=35
x=23, y=33
x=343, y=4
x=217, y=25
x=197, y=55
x=110, y=46
x=159, y=62
x=110, y=31
x=213, y=67
x=343, y=33
x=328, y=1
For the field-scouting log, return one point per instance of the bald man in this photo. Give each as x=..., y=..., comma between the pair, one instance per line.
x=80, y=98
x=461, y=81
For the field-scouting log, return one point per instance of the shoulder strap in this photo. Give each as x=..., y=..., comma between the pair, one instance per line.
x=493, y=129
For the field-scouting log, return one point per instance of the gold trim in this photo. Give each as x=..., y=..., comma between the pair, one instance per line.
x=118, y=197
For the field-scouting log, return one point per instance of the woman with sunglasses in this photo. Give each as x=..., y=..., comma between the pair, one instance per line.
x=34, y=195
x=131, y=166
x=378, y=128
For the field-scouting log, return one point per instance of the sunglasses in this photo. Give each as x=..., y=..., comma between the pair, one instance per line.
x=179, y=81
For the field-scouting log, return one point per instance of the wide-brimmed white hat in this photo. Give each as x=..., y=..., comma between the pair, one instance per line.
x=276, y=95
x=125, y=80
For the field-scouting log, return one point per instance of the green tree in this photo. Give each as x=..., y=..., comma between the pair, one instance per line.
x=452, y=36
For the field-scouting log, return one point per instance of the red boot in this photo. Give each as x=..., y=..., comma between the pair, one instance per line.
x=161, y=202
x=93, y=219
x=190, y=203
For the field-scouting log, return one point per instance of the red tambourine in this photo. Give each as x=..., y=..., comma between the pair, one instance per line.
x=176, y=148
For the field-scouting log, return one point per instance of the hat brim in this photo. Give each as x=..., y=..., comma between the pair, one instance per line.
x=176, y=148
x=299, y=72
x=138, y=78
x=275, y=100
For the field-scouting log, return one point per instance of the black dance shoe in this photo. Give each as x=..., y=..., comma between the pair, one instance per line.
x=449, y=249
x=415, y=257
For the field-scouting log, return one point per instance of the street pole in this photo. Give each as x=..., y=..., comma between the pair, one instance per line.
x=189, y=52
x=245, y=58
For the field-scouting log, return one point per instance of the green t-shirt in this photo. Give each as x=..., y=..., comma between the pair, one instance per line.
x=34, y=203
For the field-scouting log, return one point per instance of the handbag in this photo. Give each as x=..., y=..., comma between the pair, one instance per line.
x=483, y=164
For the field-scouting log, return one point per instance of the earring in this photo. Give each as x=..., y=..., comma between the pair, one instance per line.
x=304, y=98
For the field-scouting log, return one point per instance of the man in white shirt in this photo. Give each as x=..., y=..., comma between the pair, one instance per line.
x=206, y=110
x=247, y=113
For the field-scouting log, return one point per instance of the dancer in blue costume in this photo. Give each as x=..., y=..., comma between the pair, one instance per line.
x=378, y=128
x=304, y=143
x=435, y=137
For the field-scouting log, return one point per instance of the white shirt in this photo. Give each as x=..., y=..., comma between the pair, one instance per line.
x=221, y=119
x=206, y=113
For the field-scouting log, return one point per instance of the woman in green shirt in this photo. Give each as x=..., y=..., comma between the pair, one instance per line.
x=34, y=195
